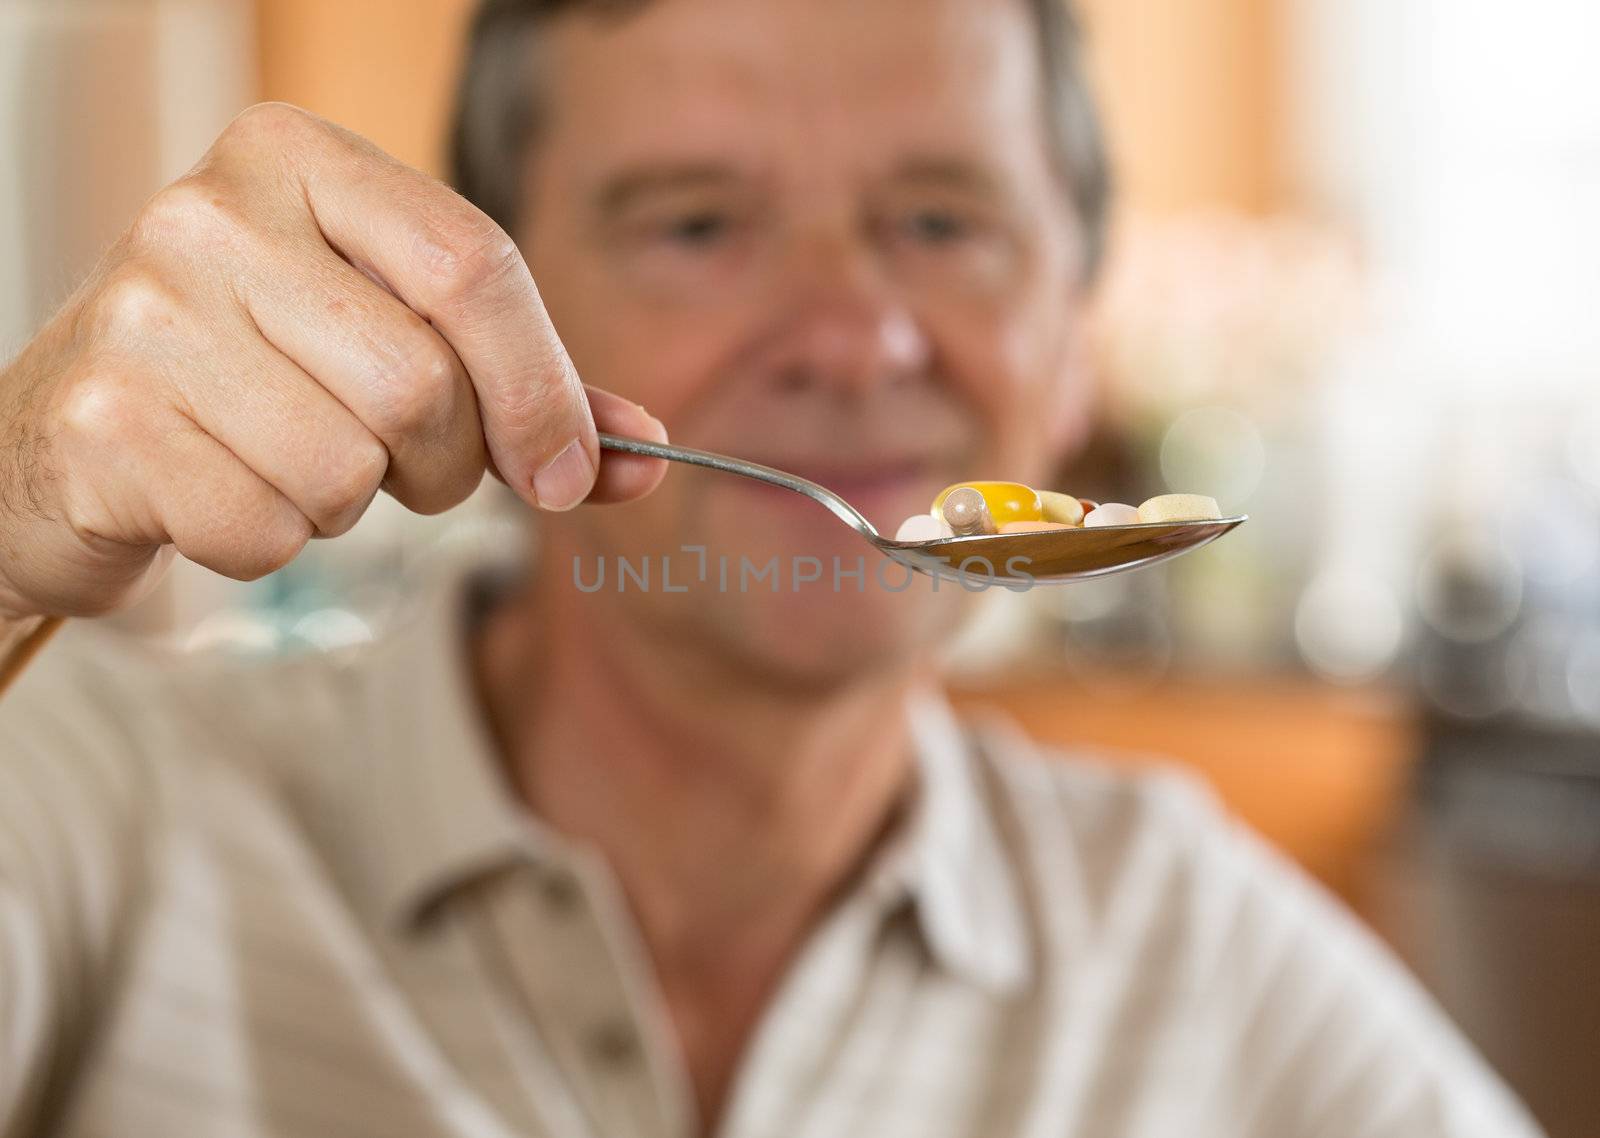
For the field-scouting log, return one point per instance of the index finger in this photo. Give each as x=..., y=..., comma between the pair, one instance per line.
x=451, y=264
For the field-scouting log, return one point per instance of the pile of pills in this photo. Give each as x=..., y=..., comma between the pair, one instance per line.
x=972, y=508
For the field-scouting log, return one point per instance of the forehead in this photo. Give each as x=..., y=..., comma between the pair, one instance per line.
x=813, y=78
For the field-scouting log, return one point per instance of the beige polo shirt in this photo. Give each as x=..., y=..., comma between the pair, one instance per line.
x=295, y=898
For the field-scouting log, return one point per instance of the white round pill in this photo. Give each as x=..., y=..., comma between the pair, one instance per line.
x=922, y=527
x=1112, y=514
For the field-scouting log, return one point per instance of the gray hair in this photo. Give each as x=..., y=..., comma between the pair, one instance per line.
x=497, y=109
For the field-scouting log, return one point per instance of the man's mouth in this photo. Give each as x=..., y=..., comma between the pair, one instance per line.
x=882, y=489
x=862, y=479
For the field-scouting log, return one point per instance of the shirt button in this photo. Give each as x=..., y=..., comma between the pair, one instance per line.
x=560, y=893
x=614, y=1043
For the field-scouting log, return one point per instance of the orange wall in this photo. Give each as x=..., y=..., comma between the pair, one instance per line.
x=1189, y=86
x=1191, y=90
x=383, y=68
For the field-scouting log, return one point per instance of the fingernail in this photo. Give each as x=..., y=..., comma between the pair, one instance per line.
x=565, y=480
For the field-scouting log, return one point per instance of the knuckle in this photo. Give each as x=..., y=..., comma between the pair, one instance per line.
x=269, y=124
x=414, y=387
x=469, y=260
x=98, y=408
x=552, y=395
x=87, y=515
x=194, y=208
x=551, y=406
x=352, y=478
x=447, y=489
x=275, y=545
x=134, y=304
x=466, y=481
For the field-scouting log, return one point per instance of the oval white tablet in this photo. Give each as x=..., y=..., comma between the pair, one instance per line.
x=1112, y=514
x=1061, y=508
x=1180, y=508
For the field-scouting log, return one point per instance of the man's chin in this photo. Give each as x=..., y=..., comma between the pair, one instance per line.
x=828, y=639
x=762, y=585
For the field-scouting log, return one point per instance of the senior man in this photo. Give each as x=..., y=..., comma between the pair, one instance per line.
x=553, y=859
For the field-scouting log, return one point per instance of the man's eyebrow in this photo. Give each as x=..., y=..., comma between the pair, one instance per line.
x=621, y=190
x=947, y=172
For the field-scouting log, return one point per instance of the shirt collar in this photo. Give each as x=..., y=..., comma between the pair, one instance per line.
x=950, y=862
x=442, y=811
x=442, y=814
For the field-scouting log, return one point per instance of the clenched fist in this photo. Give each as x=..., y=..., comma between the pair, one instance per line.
x=296, y=324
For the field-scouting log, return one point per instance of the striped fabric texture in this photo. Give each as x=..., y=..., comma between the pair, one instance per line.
x=294, y=897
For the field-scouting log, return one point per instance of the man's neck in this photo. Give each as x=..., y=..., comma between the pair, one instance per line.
x=730, y=809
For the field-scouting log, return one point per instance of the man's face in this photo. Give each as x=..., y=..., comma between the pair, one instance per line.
x=824, y=235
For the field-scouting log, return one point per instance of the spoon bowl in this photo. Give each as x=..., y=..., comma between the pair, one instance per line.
x=1061, y=555
x=1025, y=559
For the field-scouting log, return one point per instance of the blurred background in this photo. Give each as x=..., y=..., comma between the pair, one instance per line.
x=1352, y=292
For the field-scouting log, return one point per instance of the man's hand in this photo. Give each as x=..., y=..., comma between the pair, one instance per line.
x=297, y=323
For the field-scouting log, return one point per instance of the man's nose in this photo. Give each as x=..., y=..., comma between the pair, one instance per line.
x=847, y=325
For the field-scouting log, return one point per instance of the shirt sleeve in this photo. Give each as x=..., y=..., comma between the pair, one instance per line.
x=1334, y=1038
x=69, y=858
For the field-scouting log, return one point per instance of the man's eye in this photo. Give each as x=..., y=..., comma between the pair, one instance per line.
x=697, y=230
x=936, y=227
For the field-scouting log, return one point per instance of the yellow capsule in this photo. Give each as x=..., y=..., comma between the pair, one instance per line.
x=1007, y=501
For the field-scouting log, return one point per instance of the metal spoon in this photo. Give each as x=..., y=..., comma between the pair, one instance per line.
x=1012, y=559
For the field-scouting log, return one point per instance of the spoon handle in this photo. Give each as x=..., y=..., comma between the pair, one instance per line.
x=841, y=509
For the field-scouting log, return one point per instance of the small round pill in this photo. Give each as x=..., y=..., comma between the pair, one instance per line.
x=1112, y=514
x=922, y=527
